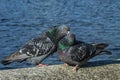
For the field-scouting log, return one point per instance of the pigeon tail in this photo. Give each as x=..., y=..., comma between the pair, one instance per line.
x=100, y=49
x=15, y=57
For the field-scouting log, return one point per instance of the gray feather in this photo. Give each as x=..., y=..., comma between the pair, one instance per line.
x=39, y=48
x=78, y=52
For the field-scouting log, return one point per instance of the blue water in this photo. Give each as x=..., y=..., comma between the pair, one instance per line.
x=92, y=21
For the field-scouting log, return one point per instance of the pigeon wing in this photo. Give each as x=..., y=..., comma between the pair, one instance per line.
x=38, y=46
x=82, y=51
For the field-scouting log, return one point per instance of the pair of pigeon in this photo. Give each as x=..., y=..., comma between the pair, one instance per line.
x=60, y=39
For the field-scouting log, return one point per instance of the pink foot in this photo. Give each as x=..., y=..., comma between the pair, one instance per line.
x=42, y=65
x=75, y=68
x=66, y=64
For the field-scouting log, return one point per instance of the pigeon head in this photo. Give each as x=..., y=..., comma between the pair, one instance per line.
x=56, y=33
x=67, y=41
x=62, y=30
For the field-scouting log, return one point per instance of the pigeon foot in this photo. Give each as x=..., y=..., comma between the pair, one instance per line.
x=41, y=65
x=75, y=68
x=66, y=64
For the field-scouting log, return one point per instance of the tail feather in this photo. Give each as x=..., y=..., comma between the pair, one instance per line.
x=106, y=52
x=13, y=58
x=100, y=49
x=101, y=46
x=6, y=62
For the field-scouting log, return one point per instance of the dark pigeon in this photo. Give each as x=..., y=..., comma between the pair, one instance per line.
x=77, y=53
x=39, y=48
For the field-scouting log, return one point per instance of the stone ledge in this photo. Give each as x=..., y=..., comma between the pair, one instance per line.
x=62, y=72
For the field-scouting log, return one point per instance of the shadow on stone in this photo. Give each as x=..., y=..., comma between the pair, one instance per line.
x=101, y=63
x=88, y=64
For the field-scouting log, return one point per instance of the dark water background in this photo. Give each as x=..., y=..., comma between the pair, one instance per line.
x=92, y=21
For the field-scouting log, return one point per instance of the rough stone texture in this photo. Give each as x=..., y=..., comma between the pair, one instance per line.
x=62, y=72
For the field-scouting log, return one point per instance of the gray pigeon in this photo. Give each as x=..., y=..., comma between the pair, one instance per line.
x=77, y=53
x=39, y=48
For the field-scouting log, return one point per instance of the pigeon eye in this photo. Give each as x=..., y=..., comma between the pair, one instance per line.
x=20, y=51
x=28, y=53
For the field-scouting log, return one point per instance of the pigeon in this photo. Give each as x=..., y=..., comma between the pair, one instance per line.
x=39, y=48
x=76, y=53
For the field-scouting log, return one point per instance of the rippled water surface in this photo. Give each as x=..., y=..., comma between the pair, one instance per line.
x=92, y=21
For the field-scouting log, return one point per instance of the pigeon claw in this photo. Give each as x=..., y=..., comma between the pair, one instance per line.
x=75, y=68
x=66, y=64
x=41, y=65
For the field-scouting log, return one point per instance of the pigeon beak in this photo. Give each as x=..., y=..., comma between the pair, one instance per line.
x=68, y=32
x=67, y=29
